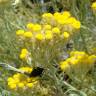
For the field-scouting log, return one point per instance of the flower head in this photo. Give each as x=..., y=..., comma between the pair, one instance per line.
x=39, y=36
x=66, y=35
x=56, y=30
x=66, y=14
x=47, y=15
x=28, y=34
x=30, y=26
x=76, y=24
x=36, y=27
x=19, y=32
x=24, y=53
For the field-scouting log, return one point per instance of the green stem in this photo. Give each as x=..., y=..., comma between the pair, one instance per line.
x=74, y=89
x=84, y=42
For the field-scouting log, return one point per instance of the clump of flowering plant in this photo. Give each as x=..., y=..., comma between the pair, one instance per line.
x=78, y=64
x=21, y=81
x=45, y=41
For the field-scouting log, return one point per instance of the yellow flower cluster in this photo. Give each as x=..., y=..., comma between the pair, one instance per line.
x=52, y=25
x=62, y=19
x=21, y=81
x=47, y=32
x=78, y=58
x=93, y=6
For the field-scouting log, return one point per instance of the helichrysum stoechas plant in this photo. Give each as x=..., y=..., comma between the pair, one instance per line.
x=42, y=44
x=79, y=63
x=45, y=40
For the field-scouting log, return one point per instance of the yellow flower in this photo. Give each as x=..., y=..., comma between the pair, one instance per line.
x=56, y=30
x=66, y=14
x=22, y=56
x=13, y=82
x=10, y=82
x=47, y=15
x=66, y=35
x=57, y=15
x=39, y=36
x=64, y=65
x=28, y=35
x=93, y=5
x=19, y=32
x=61, y=19
x=10, y=79
x=30, y=26
x=30, y=85
x=24, y=53
x=70, y=20
x=36, y=27
x=76, y=24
